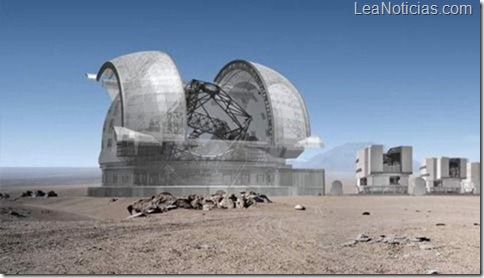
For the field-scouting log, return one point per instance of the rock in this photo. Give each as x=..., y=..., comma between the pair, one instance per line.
x=155, y=209
x=365, y=213
x=16, y=214
x=426, y=247
x=265, y=198
x=432, y=271
x=256, y=198
x=202, y=246
x=477, y=224
x=395, y=240
x=215, y=198
x=196, y=201
x=299, y=207
x=250, y=203
x=171, y=207
x=362, y=238
x=4, y=196
x=421, y=239
x=53, y=194
x=247, y=199
x=163, y=198
x=183, y=203
x=27, y=193
x=240, y=202
x=380, y=238
x=226, y=203
x=39, y=193
x=113, y=200
x=220, y=192
x=349, y=243
x=136, y=206
x=250, y=194
x=440, y=224
x=139, y=214
x=207, y=207
x=130, y=209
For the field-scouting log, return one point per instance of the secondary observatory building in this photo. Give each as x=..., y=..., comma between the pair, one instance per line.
x=164, y=133
x=444, y=174
x=383, y=172
x=472, y=182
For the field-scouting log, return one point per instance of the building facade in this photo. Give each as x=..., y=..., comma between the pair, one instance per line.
x=383, y=172
x=444, y=174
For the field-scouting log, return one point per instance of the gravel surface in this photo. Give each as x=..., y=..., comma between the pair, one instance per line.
x=82, y=235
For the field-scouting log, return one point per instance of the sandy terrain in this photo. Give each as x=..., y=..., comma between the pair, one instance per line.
x=75, y=234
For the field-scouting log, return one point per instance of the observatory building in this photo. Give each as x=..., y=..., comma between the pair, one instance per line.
x=163, y=133
x=472, y=183
x=380, y=172
x=443, y=174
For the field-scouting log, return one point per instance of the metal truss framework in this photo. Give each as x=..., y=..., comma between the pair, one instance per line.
x=199, y=93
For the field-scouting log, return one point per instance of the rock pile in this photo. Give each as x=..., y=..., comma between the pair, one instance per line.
x=38, y=193
x=394, y=240
x=4, y=196
x=165, y=201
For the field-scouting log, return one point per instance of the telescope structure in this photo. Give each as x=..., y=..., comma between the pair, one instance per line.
x=164, y=134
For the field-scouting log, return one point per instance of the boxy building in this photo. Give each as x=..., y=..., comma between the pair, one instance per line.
x=472, y=183
x=444, y=174
x=383, y=172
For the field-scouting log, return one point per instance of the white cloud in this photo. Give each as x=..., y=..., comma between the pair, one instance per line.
x=311, y=142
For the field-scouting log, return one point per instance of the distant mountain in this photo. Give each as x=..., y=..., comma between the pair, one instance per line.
x=16, y=176
x=338, y=159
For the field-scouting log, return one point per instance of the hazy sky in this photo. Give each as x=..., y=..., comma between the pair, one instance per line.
x=395, y=80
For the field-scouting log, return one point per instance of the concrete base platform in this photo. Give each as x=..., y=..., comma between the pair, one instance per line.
x=384, y=190
x=444, y=191
x=146, y=191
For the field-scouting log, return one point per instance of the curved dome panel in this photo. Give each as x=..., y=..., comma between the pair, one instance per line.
x=108, y=143
x=291, y=121
x=151, y=95
x=279, y=110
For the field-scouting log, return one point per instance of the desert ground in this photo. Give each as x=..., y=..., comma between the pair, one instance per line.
x=75, y=234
